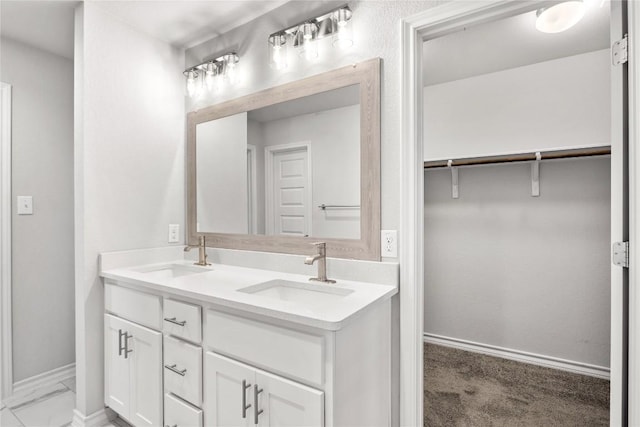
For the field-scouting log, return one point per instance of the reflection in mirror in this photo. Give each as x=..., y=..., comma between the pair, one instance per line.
x=291, y=168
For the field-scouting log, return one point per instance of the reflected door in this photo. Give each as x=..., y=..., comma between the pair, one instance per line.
x=289, y=198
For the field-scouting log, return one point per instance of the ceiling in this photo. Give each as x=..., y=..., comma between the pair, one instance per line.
x=509, y=43
x=48, y=25
x=185, y=23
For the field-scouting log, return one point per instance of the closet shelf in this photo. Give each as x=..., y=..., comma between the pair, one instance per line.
x=521, y=157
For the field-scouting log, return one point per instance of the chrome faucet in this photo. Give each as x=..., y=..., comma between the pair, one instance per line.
x=202, y=252
x=321, y=257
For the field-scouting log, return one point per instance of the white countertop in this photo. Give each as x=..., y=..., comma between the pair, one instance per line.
x=220, y=284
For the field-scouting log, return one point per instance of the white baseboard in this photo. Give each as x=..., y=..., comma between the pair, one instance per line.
x=520, y=356
x=97, y=419
x=44, y=379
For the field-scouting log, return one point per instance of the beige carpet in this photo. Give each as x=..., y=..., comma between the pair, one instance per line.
x=468, y=389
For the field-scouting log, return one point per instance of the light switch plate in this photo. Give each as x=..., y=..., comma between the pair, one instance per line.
x=174, y=233
x=25, y=205
x=389, y=243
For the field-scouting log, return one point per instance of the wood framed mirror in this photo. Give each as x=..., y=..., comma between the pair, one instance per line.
x=280, y=169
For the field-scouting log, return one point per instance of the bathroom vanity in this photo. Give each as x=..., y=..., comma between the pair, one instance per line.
x=230, y=346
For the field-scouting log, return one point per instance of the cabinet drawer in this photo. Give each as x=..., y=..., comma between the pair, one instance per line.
x=180, y=414
x=183, y=320
x=292, y=353
x=145, y=309
x=183, y=370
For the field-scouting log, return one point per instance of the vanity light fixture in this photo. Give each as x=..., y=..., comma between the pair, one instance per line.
x=210, y=75
x=560, y=16
x=304, y=36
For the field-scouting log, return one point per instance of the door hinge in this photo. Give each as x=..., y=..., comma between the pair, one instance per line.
x=620, y=255
x=620, y=51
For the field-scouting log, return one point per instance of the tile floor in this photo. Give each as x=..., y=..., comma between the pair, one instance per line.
x=48, y=406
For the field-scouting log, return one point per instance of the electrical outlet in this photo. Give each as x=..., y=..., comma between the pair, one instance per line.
x=174, y=233
x=389, y=243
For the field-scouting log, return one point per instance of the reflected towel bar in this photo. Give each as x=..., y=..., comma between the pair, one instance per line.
x=325, y=207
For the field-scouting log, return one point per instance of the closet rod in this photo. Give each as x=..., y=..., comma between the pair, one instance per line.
x=508, y=158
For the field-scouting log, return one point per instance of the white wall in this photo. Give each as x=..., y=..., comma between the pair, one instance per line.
x=129, y=158
x=221, y=167
x=42, y=243
x=526, y=273
x=335, y=164
x=549, y=105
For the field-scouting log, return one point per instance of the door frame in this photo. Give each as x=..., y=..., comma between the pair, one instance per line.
x=252, y=185
x=270, y=152
x=415, y=29
x=633, y=28
x=6, y=352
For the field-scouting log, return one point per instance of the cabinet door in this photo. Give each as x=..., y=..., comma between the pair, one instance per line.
x=145, y=361
x=225, y=394
x=287, y=403
x=116, y=367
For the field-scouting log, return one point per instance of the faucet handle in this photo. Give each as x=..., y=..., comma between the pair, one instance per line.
x=202, y=241
x=320, y=244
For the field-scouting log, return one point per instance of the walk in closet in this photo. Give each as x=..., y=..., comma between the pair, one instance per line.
x=517, y=215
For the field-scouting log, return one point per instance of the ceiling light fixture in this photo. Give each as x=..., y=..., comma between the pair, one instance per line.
x=210, y=74
x=305, y=35
x=559, y=17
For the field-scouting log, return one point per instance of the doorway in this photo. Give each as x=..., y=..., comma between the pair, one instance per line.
x=429, y=25
x=288, y=193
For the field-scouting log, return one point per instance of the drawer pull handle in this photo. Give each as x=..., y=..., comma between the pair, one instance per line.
x=245, y=387
x=167, y=425
x=172, y=368
x=175, y=322
x=256, y=412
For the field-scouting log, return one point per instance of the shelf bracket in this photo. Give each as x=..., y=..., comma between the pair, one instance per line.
x=454, y=179
x=535, y=175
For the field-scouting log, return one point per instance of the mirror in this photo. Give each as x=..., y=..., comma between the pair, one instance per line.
x=298, y=163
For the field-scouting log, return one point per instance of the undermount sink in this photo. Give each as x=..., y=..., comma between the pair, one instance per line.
x=306, y=293
x=169, y=271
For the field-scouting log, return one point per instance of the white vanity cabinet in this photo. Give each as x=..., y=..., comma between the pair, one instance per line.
x=133, y=371
x=180, y=360
x=240, y=395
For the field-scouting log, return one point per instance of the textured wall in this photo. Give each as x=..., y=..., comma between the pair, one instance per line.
x=129, y=158
x=42, y=167
x=526, y=273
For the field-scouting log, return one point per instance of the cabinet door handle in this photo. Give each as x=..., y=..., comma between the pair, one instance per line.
x=167, y=425
x=120, y=348
x=173, y=369
x=175, y=322
x=256, y=412
x=245, y=386
x=126, y=345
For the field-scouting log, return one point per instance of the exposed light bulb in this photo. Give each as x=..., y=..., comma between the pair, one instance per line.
x=278, y=51
x=309, y=47
x=230, y=68
x=209, y=76
x=560, y=17
x=192, y=77
x=343, y=37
